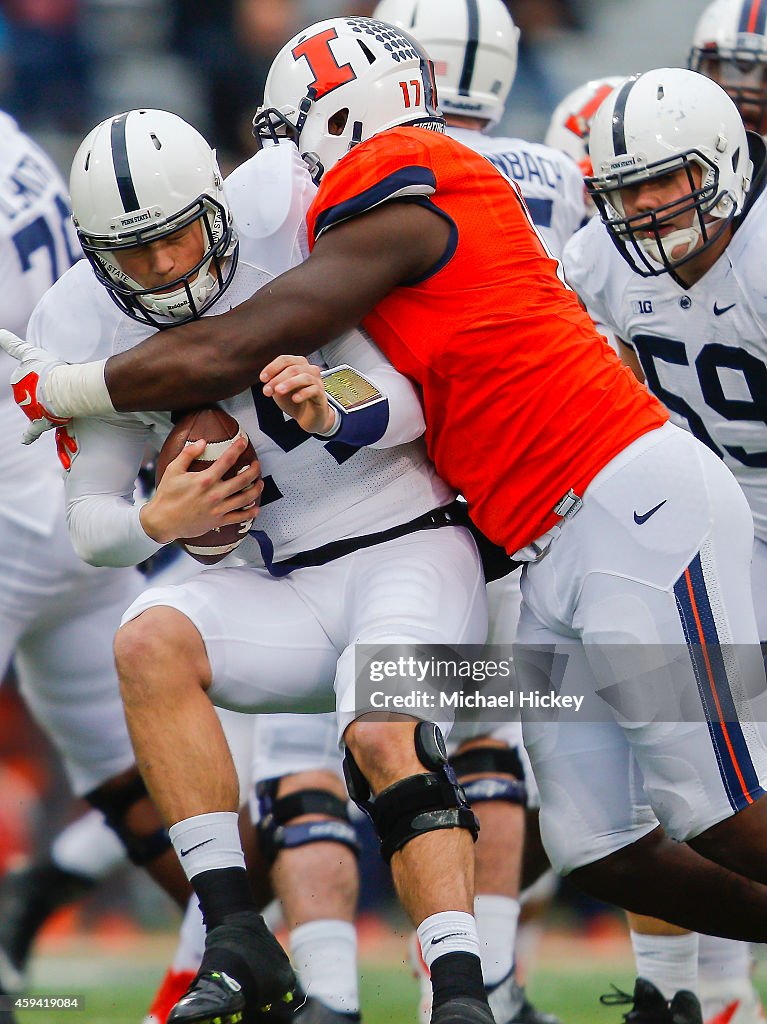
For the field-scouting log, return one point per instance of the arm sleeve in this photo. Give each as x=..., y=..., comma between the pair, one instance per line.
x=102, y=515
x=405, y=412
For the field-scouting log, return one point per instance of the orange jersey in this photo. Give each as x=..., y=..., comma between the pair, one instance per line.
x=523, y=398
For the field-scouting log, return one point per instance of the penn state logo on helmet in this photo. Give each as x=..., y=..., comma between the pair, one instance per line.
x=341, y=81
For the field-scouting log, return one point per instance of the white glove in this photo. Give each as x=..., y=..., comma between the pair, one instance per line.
x=28, y=384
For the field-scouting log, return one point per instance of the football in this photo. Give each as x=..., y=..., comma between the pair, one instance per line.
x=219, y=429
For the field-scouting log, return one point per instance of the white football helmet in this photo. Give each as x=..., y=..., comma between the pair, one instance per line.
x=136, y=178
x=730, y=46
x=340, y=82
x=570, y=124
x=473, y=44
x=653, y=125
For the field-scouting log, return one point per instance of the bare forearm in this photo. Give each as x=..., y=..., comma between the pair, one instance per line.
x=220, y=356
x=352, y=268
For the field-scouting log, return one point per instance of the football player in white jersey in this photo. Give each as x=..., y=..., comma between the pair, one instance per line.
x=719, y=961
x=356, y=541
x=729, y=46
x=58, y=616
x=676, y=277
x=473, y=44
x=570, y=124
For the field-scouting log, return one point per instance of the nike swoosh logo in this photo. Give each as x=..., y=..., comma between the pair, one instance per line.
x=27, y=400
x=197, y=847
x=639, y=520
x=724, y=309
x=452, y=935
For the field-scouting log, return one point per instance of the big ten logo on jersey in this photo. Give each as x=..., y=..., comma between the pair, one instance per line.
x=641, y=307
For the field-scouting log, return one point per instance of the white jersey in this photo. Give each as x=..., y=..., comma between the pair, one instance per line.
x=37, y=244
x=316, y=491
x=550, y=182
x=703, y=349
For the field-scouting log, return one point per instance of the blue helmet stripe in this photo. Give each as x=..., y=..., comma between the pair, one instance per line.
x=472, y=42
x=122, y=166
x=619, y=113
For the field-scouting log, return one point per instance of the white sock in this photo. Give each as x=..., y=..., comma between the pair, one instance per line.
x=670, y=962
x=191, y=939
x=325, y=957
x=207, y=841
x=452, y=931
x=496, y=918
x=723, y=959
x=88, y=847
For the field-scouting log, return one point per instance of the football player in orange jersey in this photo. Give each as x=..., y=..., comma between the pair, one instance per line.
x=553, y=443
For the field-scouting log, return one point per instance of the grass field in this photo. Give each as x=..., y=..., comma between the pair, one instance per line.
x=118, y=986
x=388, y=995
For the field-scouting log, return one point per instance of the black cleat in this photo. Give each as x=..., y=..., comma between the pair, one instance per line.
x=245, y=976
x=314, y=1011
x=213, y=998
x=462, y=1011
x=27, y=899
x=651, y=1007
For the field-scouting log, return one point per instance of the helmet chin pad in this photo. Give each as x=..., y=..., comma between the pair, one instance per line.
x=181, y=304
x=661, y=250
x=189, y=295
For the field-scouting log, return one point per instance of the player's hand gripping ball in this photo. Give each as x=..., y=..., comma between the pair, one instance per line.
x=219, y=429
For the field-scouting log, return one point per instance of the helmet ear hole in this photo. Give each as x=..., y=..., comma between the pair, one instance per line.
x=337, y=123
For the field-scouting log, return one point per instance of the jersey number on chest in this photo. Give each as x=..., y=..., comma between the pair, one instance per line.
x=711, y=358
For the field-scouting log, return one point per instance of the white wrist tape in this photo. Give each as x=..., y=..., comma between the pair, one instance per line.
x=78, y=389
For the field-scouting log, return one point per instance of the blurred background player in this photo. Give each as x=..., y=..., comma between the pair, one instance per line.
x=670, y=231
x=729, y=46
x=570, y=125
x=474, y=50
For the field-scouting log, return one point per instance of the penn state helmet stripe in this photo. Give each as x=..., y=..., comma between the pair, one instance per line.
x=736, y=768
x=753, y=16
x=122, y=166
x=619, y=114
x=472, y=42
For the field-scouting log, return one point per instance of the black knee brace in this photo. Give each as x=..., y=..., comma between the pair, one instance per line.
x=114, y=802
x=415, y=805
x=500, y=762
x=275, y=832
